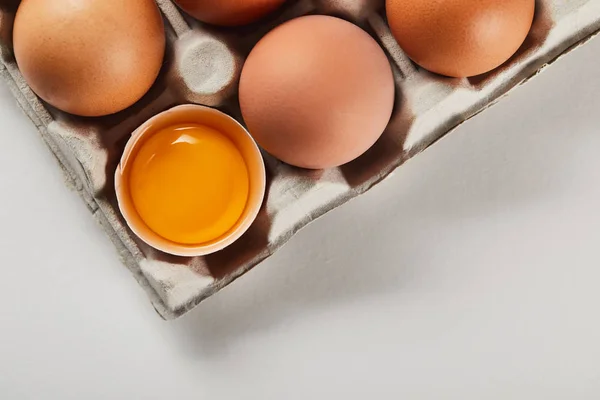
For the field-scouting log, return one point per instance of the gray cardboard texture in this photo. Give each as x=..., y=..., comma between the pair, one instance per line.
x=203, y=65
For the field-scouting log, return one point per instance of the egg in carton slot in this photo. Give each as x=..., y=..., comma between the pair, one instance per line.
x=202, y=65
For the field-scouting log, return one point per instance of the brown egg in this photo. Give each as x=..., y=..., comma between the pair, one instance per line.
x=460, y=38
x=317, y=92
x=89, y=58
x=229, y=12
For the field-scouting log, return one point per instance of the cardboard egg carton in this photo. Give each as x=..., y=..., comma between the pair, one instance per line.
x=203, y=64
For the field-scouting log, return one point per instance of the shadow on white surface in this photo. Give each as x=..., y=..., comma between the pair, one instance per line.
x=325, y=266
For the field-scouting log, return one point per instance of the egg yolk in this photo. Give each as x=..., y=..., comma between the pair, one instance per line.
x=189, y=183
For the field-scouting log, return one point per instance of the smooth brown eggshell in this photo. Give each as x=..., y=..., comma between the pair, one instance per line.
x=89, y=58
x=229, y=12
x=460, y=38
x=317, y=92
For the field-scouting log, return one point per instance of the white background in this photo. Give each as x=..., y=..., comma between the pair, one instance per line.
x=473, y=273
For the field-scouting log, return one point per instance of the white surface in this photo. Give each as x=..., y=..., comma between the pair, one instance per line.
x=473, y=273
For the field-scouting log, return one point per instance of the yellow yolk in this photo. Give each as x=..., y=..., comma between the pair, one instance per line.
x=189, y=183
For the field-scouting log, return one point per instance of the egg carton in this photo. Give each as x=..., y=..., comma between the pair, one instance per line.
x=203, y=65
